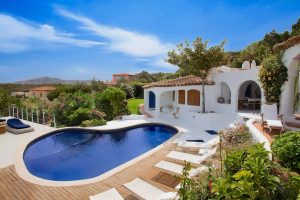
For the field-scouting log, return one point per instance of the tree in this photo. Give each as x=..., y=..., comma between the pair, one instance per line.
x=74, y=108
x=272, y=76
x=4, y=102
x=296, y=28
x=197, y=59
x=112, y=101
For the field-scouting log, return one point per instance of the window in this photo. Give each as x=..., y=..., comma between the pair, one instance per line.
x=193, y=98
x=173, y=97
x=181, y=97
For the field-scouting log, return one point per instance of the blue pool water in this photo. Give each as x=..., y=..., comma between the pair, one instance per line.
x=76, y=154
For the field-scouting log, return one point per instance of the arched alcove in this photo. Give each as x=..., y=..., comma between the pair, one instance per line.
x=249, y=96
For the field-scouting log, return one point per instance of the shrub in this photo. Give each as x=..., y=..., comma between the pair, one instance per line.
x=7, y=100
x=269, y=79
x=112, y=101
x=138, y=89
x=289, y=186
x=128, y=89
x=236, y=137
x=197, y=188
x=286, y=148
x=251, y=177
x=74, y=108
x=233, y=161
x=93, y=122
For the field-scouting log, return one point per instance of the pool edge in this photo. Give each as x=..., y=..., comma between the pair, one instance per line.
x=22, y=171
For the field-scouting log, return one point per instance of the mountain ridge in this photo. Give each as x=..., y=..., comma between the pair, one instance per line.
x=49, y=80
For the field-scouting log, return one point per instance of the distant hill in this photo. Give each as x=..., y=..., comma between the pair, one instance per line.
x=49, y=80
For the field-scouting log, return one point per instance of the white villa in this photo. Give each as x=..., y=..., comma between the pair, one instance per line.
x=230, y=90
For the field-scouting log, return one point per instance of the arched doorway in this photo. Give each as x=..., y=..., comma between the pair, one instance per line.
x=249, y=98
x=152, y=100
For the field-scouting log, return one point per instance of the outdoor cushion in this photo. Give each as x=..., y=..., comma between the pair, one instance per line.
x=274, y=123
x=111, y=194
x=17, y=124
x=211, y=132
x=195, y=140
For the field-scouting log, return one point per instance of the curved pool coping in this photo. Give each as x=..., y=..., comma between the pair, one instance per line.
x=23, y=172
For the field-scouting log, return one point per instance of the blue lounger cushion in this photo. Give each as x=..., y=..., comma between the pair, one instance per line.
x=211, y=132
x=16, y=124
x=199, y=140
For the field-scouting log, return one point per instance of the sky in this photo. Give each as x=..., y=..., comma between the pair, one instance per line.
x=85, y=39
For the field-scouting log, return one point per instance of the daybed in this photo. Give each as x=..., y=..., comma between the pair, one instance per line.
x=16, y=126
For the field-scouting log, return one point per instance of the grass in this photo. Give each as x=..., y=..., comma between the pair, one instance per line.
x=133, y=105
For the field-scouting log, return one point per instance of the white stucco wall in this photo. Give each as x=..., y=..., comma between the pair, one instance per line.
x=166, y=99
x=234, y=78
x=287, y=95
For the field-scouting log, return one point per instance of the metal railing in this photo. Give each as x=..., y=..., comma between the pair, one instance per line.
x=33, y=115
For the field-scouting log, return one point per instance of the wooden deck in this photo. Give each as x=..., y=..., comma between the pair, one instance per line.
x=13, y=187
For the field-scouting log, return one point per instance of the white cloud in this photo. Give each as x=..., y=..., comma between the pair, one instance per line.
x=121, y=40
x=19, y=35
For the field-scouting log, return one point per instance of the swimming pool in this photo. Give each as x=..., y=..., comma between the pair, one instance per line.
x=77, y=154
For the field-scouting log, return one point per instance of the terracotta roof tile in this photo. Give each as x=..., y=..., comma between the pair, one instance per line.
x=287, y=44
x=181, y=81
x=43, y=88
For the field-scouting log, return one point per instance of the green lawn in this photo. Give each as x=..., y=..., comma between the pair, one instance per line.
x=133, y=105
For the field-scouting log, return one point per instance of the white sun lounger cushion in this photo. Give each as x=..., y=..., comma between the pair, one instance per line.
x=111, y=194
x=194, y=159
x=174, y=168
x=274, y=123
x=208, y=151
x=147, y=191
x=207, y=144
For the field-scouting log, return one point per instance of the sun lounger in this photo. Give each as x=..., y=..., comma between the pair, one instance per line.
x=16, y=126
x=173, y=168
x=146, y=191
x=271, y=118
x=207, y=144
x=111, y=194
x=193, y=159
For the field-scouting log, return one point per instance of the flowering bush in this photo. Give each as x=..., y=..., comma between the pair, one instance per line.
x=236, y=137
x=272, y=76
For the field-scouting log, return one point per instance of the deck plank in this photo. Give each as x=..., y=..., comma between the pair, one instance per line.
x=12, y=187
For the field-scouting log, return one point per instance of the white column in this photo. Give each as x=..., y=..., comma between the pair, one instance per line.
x=146, y=99
x=287, y=96
x=157, y=103
x=186, y=97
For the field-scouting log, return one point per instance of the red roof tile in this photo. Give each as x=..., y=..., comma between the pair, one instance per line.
x=181, y=81
x=43, y=88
